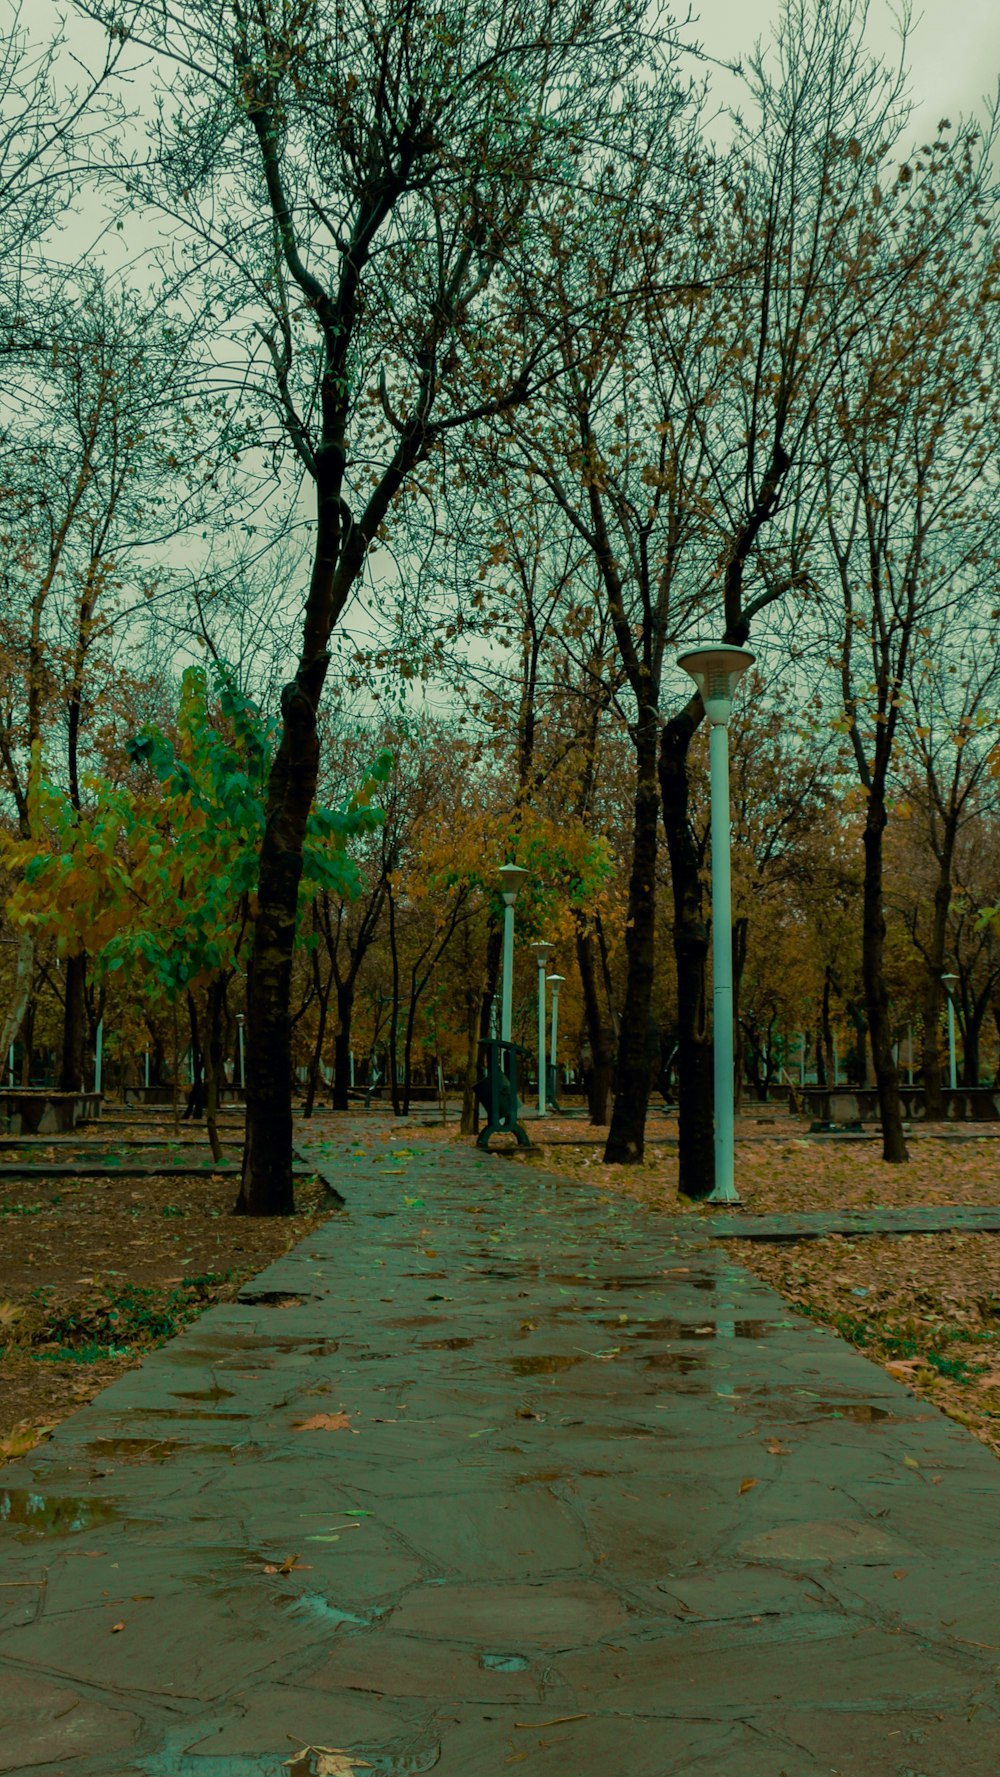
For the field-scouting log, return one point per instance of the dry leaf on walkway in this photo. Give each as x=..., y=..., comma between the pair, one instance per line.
x=775, y=1447
x=749, y=1481
x=326, y=1422
x=324, y=1761
x=291, y=1564
x=116, y=1628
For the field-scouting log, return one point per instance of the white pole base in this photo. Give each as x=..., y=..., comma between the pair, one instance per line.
x=724, y=1194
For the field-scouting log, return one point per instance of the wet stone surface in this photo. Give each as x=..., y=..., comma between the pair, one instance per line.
x=492, y=1471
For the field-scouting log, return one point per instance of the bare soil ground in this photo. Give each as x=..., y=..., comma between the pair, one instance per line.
x=95, y=1270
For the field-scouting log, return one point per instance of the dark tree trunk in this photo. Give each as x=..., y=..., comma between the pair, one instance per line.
x=601, y=1053
x=195, y=1105
x=626, y=1137
x=696, y=1135
x=342, y=1047
x=316, y=1059
x=876, y=997
x=74, y=1037
x=931, y=1058
x=471, y=1070
x=824, y=1038
x=394, y=1015
x=27, y=1040
x=213, y=1064
x=266, y=1184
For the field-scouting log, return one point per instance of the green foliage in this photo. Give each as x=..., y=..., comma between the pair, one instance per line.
x=160, y=876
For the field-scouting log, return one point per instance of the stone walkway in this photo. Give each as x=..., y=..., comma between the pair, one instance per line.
x=492, y=1472
x=925, y=1218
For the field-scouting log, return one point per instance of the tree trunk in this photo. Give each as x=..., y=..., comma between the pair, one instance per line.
x=27, y=1033
x=342, y=1047
x=212, y=1059
x=196, y=1094
x=876, y=997
x=411, y=1018
x=316, y=1060
x=627, y=1135
x=471, y=1074
x=824, y=1037
x=266, y=1184
x=601, y=1053
x=394, y=1015
x=696, y=1143
x=931, y=1057
x=74, y=1037
x=17, y=1014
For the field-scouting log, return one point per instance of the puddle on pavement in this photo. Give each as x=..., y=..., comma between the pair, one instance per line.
x=680, y=1361
x=274, y=1298
x=216, y=1393
x=546, y=1365
x=248, y=1350
x=864, y=1412
x=503, y=1662
x=149, y=1449
x=188, y=1413
x=668, y=1328
x=320, y=1610
x=39, y=1514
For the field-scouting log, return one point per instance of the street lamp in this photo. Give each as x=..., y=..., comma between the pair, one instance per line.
x=949, y=987
x=240, y=1016
x=555, y=982
x=511, y=878
x=716, y=670
x=542, y=952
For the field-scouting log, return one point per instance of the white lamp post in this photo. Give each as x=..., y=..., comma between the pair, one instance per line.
x=542, y=952
x=240, y=1017
x=555, y=982
x=949, y=987
x=511, y=878
x=99, y=1055
x=716, y=670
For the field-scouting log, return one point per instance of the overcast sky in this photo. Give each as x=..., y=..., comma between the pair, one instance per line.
x=953, y=51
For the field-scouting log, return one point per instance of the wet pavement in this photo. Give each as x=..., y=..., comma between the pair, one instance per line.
x=494, y=1472
x=923, y=1218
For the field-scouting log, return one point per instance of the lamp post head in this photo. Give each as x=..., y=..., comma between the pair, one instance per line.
x=555, y=982
x=511, y=878
x=716, y=668
x=240, y=1017
x=541, y=952
x=949, y=981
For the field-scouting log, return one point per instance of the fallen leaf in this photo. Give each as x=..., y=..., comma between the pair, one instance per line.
x=775, y=1447
x=910, y=1462
x=324, y=1761
x=326, y=1422
x=900, y=1573
x=116, y=1628
x=749, y=1481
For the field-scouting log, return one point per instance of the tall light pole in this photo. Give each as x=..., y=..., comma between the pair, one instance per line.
x=511, y=878
x=950, y=982
x=542, y=951
x=716, y=670
x=239, y=1026
x=555, y=982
